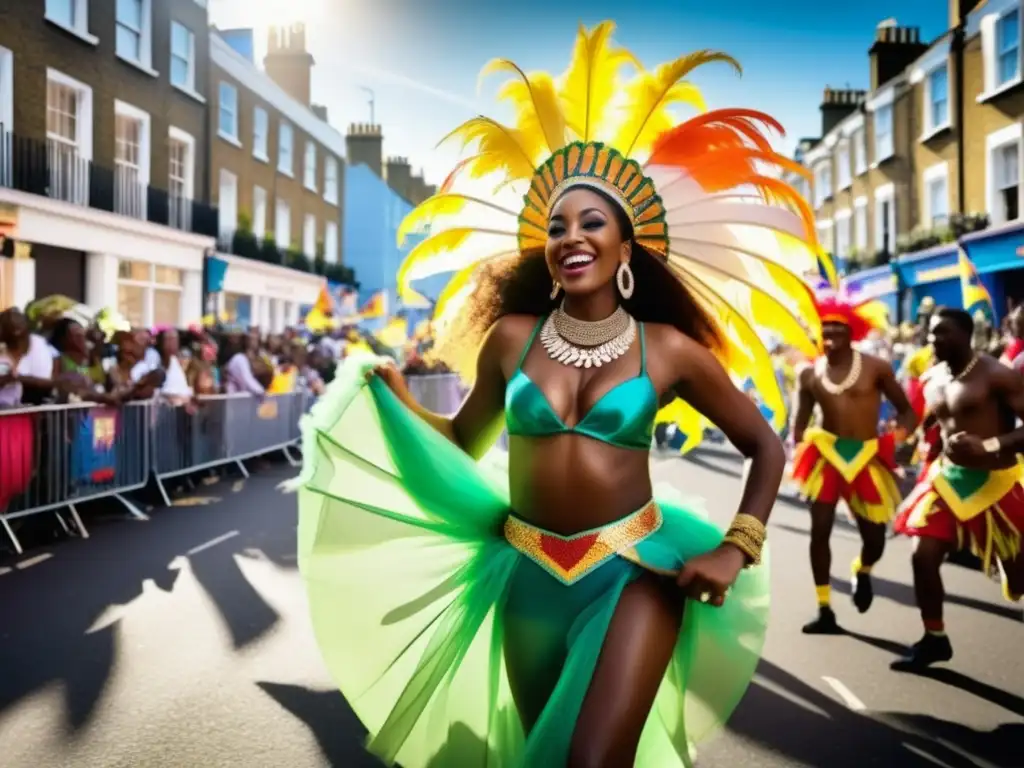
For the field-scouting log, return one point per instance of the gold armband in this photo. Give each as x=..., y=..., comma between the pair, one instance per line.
x=747, y=534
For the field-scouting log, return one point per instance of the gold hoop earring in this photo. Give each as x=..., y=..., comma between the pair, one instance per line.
x=624, y=278
x=554, y=290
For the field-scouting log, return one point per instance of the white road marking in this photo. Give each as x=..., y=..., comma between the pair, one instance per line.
x=848, y=697
x=237, y=486
x=921, y=753
x=33, y=561
x=5, y=571
x=211, y=543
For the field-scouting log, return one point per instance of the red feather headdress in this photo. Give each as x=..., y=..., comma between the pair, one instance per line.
x=836, y=308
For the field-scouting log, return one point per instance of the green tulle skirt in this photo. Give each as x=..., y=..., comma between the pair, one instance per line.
x=414, y=591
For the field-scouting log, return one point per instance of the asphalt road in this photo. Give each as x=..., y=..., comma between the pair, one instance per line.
x=183, y=641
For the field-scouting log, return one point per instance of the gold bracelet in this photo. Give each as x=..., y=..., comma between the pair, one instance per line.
x=748, y=535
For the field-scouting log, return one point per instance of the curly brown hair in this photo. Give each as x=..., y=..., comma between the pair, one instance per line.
x=520, y=284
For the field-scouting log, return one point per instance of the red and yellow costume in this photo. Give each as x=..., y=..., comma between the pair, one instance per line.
x=975, y=508
x=827, y=467
x=862, y=472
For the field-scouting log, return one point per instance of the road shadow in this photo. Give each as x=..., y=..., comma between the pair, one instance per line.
x=904, y=595
x=337, y=730
x=815, y=729
x=56, y=627
x=341, y=737
x=780, y=713
x=1009, y=701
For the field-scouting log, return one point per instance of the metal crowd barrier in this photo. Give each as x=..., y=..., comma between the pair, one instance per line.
x=54, y=457
x=442, y=393
x=223, y=429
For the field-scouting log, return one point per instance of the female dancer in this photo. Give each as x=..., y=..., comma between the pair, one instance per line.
x=549, y=625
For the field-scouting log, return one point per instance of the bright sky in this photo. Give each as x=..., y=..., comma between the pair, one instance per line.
x=421, y=57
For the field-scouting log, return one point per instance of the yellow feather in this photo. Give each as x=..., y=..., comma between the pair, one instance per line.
x=437, y=244
x=539, y=117
x=433, y=210
x=499, y=148
x=650, y=94
x=588, y=85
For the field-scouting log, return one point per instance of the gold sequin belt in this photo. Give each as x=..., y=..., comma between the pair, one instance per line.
x=570, y=558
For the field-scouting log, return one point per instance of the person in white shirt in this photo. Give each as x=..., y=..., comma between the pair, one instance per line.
x=25, y=361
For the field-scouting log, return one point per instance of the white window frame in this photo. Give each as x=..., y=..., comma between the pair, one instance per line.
x=884, y=151
x=331, y=179
x=885, y=194
x=1012, y=134
x=259, y=223
x=822, y=182
x=843, y=235
x=151, y=286
x=231, y=138
x=145, y=60
x=860, y=152
x=6, y=90
x=286, y=162
x=79, y=26
x=186, y=138
x=860, y=224
x=931, y=175
x=124, y=109
x=331, y=243
x=930, y=127
x=282, y=242
x=309, y=171
x=227, y=227
x=260, y=144
x=189, y=86
x=989, y=27
x=84, y=120
x=843, y=165
x=309, y=235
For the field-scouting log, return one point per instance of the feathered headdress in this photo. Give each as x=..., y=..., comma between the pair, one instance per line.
x=837, y=308
x=703, y=195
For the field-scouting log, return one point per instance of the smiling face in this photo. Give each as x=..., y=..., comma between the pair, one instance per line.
x=586, y=242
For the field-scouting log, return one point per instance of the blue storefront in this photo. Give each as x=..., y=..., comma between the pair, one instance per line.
x=876, y=284
x=933, y=273
x=998, y=256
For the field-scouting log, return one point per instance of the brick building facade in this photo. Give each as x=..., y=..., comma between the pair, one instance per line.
x=277, y=176
x=103, y=152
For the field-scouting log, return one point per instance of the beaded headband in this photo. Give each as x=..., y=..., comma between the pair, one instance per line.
x=594, y=165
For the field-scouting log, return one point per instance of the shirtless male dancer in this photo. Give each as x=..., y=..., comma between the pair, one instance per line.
x=971, y=494
x=845, y=457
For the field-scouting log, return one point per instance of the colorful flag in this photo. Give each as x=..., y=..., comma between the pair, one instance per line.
x=377, y=306
x=324, y=303
x=975, y=295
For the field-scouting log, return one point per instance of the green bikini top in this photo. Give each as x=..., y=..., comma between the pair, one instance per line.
x=623, y=416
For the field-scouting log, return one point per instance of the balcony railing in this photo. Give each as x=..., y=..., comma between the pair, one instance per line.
x=56, y=170
x=129, y=191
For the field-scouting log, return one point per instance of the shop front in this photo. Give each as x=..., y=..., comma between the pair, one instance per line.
x=152, y=274
x=933, y=273
x=254, y=293
x=879, y=284
x=998, y=256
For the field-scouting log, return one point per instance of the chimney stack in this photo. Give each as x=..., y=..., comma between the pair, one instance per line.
x=399, y=177
x=288, y=63
x=365, y=144
x=895, y=48
x=837, y=104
